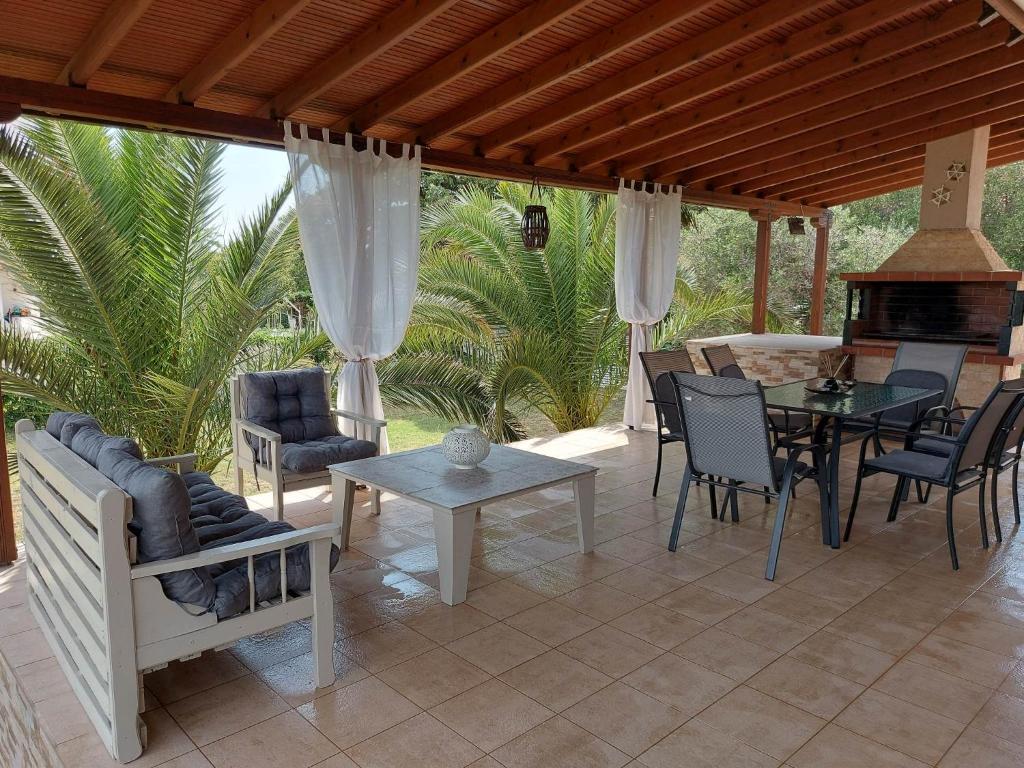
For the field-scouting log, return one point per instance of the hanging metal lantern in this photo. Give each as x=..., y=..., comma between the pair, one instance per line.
x=796, y=226
x=535, y=227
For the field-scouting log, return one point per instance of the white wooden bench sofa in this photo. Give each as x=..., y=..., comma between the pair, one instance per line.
x=107, y=616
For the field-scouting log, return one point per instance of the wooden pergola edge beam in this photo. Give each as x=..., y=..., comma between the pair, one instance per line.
x=59, y=101
x=113, y=24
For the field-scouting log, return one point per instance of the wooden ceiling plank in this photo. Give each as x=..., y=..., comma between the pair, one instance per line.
x=259, y=27
x=514, y=30
x=56, y=101
x=1005, y=106
x=851, y=115
x=115, y=22
x=931, y=109
x=370, y=43
x=696, y=127
x=607, y=42
x=733, y=32
x=815, y=37
x=677, y=154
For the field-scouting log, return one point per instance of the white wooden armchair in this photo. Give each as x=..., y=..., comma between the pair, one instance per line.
x=284, y=432
x=107, y=619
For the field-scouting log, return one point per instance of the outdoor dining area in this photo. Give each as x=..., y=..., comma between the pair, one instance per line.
x=794, y=550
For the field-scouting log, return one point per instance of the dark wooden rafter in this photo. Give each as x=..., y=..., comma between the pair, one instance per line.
x=733, y=32
x=36, y=98
x=694, y=124
x=615, y=38
x=268, y=17
x=512, y=31
x=813, y=38
x=370, y=43
x=674, y=155
x=893, y=128
x=115, y=22
x=912, y=95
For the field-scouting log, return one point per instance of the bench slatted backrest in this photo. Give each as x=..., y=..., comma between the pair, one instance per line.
x=79, y=580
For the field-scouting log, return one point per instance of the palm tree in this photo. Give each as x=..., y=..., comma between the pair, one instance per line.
x=497, y=329
x=144, y=313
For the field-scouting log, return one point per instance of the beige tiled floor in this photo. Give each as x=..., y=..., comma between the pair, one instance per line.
x=873, y=655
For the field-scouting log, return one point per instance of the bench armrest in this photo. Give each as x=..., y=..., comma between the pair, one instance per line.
x=237, y=551
x=186, y=462
x=379, y=423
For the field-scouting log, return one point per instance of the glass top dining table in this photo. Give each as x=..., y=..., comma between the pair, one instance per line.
x=862, y=401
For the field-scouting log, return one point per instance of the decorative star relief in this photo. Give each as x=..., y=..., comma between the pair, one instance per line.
x=940, y=196
x=956, y=171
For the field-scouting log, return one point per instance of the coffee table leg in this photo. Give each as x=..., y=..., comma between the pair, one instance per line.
x=343, y=497
x=454, y=534
x=583, y=489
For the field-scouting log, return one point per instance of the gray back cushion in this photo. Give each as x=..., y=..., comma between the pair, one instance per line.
x=160, y=521
x=89, y=442
x=292, y=403
x=64, y=424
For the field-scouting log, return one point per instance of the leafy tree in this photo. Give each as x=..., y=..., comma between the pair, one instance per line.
x=145, y=314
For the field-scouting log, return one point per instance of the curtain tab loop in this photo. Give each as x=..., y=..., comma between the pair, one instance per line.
x=348, y=139
x=326, y=134
x=287, y=129
x=303, y=131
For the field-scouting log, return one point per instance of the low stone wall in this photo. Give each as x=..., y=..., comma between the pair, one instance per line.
x=769, y=365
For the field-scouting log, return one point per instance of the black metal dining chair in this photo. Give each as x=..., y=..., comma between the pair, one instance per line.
x=658, y=366
x=722, y=362
x=964, y=468
x=728, y=438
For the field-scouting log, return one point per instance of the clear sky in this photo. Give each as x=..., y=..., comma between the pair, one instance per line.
x=251, y=174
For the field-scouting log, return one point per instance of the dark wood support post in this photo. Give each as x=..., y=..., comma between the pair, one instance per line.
x=762, y=253
x=8, y=547
x=822, y=226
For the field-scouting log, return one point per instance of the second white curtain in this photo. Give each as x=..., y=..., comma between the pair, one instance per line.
x=359, y=216
x=647, y=229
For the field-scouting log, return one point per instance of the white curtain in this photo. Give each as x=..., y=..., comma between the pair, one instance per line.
x=647, y=229
x=359, y=218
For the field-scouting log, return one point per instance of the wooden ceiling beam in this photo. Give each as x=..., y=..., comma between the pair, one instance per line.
x=511, y=32
x=115, y=22
x=261, y=24
x=608, y=42
x=1010, y=10
x=693, y=128
x=795, y=112
x=1003, y=119
x=821, y=182
x=32, y=97
x=733, y=32
x=370, y=43
x=831, y=31
x=945, y=107
x=990, y=71
x=894, y=185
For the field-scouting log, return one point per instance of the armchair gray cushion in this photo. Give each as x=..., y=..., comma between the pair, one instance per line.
x=292, y=403
x=316, y=455
x=90, y=443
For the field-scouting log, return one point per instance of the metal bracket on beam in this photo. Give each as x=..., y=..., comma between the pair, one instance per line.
x=988, y=15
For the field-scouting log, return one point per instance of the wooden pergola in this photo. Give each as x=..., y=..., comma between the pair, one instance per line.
x=776, y=107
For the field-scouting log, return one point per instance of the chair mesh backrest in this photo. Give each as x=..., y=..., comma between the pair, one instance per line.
x=1015, y=428
x=726, y=427
x=658, y=366
x=946, y=359
x=722, y=362
x=978, y=433
x=911, y=377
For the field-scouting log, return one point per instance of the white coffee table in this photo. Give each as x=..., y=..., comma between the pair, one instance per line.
x=455, y=496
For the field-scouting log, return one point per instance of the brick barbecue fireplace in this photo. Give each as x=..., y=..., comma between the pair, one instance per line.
x=945, y=284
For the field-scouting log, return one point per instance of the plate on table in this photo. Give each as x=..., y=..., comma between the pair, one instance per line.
x=818, y=387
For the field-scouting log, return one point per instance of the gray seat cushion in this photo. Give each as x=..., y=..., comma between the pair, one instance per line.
x=316, y=455
x=935, y=445
x=292, y=403
x=800, y=470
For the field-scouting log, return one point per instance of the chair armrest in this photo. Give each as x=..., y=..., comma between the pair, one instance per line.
x=186, y=462
x=237, y=551
x=258, y=431
x=380, y=423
